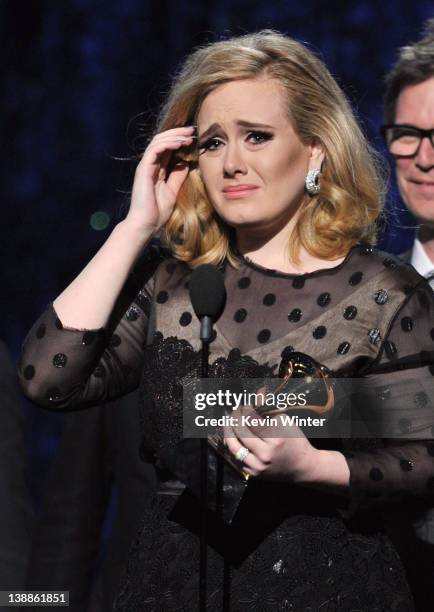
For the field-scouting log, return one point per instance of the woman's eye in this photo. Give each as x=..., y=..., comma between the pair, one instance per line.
x=212, y=144
x=258, y=137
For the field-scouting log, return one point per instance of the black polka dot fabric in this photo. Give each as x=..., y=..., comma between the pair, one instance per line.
x=244, y=282
x=185, y=319
x=324, y=299
x=269, y=299
x=240, y=315
x=319, y=332
x=405, y=465
x=390, y=349
x=376, y=474
x=374, y=335
x=355, y=278
x=40, y=332
x=381, y=297
x=298, y=283
x=295, y=315
x=368, y=317
x=60, y=360
x=162, y=297
x=350, y=313
x=406, y=324
x=29, y=372
x=53, y=394
x=115, y=340
x=132, y=314
x=88, y=338
x=343, y=348
x=66, y=353
x=264, y=335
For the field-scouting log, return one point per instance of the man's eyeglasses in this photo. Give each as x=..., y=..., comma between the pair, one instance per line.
x=404, y=140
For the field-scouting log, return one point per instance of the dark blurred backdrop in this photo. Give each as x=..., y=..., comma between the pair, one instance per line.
x=81, y=84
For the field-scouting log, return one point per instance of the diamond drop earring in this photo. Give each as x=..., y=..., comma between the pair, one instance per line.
x=312, y=182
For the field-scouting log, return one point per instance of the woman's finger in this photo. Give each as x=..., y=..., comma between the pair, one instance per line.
x=152, y=158
x=155, y=149
x=234, y=440
x=247, y=424
x=173, y=132
x=177, y=177
x=250, y=461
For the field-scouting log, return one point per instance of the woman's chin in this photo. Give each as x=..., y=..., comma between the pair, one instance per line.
x=240, y=221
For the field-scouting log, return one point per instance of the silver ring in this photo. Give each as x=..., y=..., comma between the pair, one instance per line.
x=241, y=454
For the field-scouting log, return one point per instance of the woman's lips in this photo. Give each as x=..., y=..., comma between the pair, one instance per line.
x=238, y=191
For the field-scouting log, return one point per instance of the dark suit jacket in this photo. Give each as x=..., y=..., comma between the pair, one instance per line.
x=99, y=447
x=16, y=509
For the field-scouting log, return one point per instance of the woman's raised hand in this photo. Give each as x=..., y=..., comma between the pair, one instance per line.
x=87, y=303
x=155, y=189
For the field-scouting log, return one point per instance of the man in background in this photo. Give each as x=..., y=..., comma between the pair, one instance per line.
x=409, y=135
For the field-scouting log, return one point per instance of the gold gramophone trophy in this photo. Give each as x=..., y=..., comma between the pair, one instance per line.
x=296, y=371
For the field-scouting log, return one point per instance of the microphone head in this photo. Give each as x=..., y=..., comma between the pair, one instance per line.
x=207, y=291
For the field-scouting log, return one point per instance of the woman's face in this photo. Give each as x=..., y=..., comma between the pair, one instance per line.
x=251, y=161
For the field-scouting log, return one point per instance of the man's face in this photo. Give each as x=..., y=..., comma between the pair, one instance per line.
x=415, y=175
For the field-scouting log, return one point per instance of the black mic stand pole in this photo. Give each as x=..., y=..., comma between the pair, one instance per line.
x=205, y=336
x=208, y=296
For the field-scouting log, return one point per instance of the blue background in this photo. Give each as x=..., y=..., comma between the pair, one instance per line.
x=81, y=85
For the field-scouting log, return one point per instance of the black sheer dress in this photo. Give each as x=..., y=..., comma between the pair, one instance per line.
x=290, y=548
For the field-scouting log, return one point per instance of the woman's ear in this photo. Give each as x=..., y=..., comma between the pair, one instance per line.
x=317, y=156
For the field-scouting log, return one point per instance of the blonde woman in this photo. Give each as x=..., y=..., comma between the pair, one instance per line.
x=257, y=166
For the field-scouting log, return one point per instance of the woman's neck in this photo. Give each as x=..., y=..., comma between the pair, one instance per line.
x=271, y=250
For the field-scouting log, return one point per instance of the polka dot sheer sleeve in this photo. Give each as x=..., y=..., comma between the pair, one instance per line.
x=396, y=399
x=68, y=369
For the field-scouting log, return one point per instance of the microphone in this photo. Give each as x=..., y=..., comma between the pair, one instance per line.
x=208, y=297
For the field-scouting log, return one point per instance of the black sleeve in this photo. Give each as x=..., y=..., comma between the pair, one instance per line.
x=63, y=368
x=397, y=401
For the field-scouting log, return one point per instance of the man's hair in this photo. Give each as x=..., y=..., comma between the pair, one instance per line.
x=415, y=65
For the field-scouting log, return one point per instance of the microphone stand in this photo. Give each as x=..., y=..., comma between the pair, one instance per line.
x=219, y=512
x=208, y=295
x=205, y=336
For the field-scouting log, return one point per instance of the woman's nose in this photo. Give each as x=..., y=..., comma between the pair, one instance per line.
x=233, y=162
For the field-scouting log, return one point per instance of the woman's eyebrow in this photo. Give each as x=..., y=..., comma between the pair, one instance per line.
x=212, y=128
x=240, y=122
x=248, y=124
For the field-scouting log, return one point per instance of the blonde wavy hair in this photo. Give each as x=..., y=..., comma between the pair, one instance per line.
x=351, y=195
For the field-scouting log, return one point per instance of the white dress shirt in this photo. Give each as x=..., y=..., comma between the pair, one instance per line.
x=421, y=262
